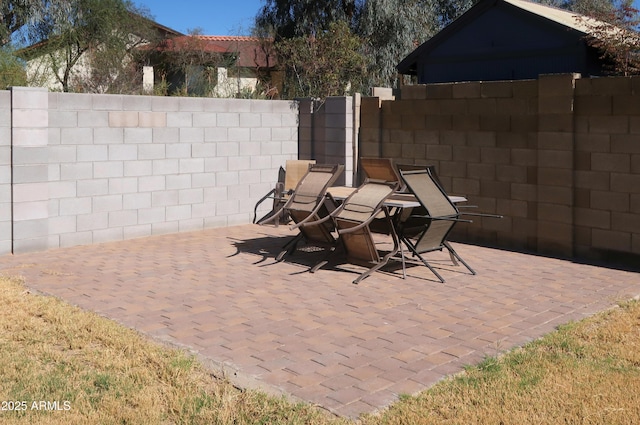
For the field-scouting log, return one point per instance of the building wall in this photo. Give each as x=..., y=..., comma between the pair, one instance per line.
x=559, y=157
x=232, y=86
x=95, y=168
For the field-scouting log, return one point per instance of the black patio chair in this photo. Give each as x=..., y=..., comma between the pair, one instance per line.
x=310, y=202
x=353, y=220
x=428, y=229
x=288, y=178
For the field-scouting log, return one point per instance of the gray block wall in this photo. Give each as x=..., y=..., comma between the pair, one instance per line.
x=96, y=168
x=5, y=172
x=30, y=169
x=327, y=133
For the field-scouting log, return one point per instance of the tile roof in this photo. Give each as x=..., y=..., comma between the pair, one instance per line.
x=252, y=52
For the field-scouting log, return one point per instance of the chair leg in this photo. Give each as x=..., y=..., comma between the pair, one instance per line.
x=382, y=263
x=404, y=263
x=324, y=261
x=281, y=255
x=415, y=253
x=288, y=248
x=452, y=252
x=368, y=272
x=318, y=266
x=453, y=258
x=431, y=268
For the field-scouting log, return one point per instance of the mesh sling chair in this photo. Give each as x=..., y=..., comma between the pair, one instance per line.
x=353, y=223
x=415, y=167
x=379, y=169
x=428, y=230
x=288, y=178
x=311, y=202
x=385, y=170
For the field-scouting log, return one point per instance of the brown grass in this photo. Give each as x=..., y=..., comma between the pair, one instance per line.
x=97, y=371
x=107, y=374
x=585, y=373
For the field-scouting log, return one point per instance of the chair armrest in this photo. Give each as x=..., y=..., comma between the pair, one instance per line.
x=311, y=214
x=363, y=224
x=354, y=228
x=305, y=223
x=264, y=198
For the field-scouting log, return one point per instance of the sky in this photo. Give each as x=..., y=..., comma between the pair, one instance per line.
x=215, y=17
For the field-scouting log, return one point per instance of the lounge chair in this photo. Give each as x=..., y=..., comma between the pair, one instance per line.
x=288, y=179
x=414, y=167
x=428, y=229
x=311, y=202
x=380, y=169
x=432, y=170
x=353, y=219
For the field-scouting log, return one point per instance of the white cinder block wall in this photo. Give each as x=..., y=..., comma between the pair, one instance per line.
x=95, y=168
x=5, y=172
x=30, y=170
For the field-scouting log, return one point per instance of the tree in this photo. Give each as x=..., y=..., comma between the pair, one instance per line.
x=15, y=14
x=614, y=33
x=11, y=70
x=295, y=18
x=388, y=30
x=327, y=65
x=188, y=65
x=87, y=43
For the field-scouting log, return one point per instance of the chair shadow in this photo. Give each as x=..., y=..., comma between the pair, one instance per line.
x=267, y=247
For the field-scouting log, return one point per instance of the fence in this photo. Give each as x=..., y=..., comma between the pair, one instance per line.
x=559, y=157
x=80, y=169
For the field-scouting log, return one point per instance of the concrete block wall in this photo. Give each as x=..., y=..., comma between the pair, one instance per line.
x=559, y=157
x=30, y=170
x=607, y=165
x=6, y=227
x=96, y=168
x=555, y=151
x=327, y=133
x=482, y=139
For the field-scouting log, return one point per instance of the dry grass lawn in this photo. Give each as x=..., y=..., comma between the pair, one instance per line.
x=62, y=365
x=585, y=373
x=91, y=370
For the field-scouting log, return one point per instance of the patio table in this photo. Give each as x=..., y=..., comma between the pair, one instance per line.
x=403, y=203
x=397, y=200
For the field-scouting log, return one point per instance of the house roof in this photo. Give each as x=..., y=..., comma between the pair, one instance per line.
x=252, y=51
x=571, y=20
x=163, y=30
x=567, y=18
x=186, y=43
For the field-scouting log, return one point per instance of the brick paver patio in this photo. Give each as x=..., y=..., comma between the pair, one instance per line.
x=317, y=337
